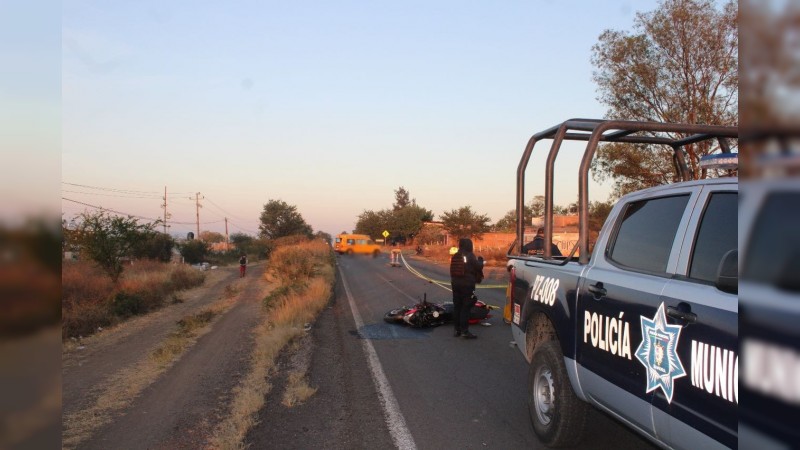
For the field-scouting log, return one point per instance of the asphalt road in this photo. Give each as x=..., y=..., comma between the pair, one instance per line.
x=433, y=391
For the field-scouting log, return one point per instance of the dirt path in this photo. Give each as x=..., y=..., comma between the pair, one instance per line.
x=178, y=408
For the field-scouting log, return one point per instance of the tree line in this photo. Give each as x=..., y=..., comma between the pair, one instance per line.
x=111, y=239
x=678, y=64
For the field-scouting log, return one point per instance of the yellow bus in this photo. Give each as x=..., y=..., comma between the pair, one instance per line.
x=355, y=243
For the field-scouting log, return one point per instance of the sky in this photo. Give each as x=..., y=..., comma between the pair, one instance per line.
x=328, y=106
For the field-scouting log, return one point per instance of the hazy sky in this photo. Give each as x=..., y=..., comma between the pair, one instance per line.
x=329, y=106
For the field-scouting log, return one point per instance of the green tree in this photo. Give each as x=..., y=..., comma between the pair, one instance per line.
x=463, y=222
x=402, y=198
x=107, y=238
x=241, y=241
x=403, y=220
x=324, y=236
x=508, y=223
x=598, y=212
x=680, y=64
x=373, y=223
x=195, y=251
x=154, y=245
x=279, y=219
x=212, y=236
x=537, y=207
x=407, y=221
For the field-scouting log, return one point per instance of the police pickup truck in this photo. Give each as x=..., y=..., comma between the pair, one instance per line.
x=644, y=325
x=769, y=294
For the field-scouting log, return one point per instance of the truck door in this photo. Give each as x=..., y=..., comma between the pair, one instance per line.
x=628, y=273
x=701, y=408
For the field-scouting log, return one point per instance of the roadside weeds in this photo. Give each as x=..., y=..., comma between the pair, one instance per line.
x=118, y=391
x=289, y=310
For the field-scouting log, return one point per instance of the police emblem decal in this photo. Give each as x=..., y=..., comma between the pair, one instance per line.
x=658, y=353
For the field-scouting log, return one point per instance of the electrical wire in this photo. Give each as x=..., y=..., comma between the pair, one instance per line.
x=111, y=195
x=171, y=222
x=124, y=191
x=221, y=209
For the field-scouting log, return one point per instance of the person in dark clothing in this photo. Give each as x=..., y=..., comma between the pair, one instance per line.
x=242, y=265
x=536, y=246
x=465, y=271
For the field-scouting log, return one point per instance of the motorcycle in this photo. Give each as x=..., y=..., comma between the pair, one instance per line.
x=427, y=314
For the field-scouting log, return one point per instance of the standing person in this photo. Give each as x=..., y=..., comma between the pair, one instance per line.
x=536, y=246
x=465, y=271
x=242, y=265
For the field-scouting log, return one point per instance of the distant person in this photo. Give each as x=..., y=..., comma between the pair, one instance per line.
x=465, y=271
x=242, y=265
x=536, y=246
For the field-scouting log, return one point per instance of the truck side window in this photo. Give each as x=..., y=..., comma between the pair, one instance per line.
x=716, y=236
x=646, y=234
x=774, y=243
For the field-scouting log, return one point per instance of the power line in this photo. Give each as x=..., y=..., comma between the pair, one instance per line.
x=135, y=215
x=223, y=210
x=243, y=229
x=110, y=195
x=124, y=191
x=109, y=210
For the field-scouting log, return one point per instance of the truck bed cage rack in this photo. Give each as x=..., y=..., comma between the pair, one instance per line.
x=594, y=131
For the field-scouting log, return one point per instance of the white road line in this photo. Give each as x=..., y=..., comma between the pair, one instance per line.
x=391, y=409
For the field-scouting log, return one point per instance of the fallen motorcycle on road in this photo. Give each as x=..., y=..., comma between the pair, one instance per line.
x=427, y=314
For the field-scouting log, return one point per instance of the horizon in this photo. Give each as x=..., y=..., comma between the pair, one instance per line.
x=329, y=108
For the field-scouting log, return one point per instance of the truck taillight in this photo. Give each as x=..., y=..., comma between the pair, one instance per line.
x=511, y=279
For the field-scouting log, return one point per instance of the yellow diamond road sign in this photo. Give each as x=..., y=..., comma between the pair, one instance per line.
x=385, y=233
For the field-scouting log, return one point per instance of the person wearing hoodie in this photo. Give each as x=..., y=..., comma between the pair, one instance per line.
x=465, y=272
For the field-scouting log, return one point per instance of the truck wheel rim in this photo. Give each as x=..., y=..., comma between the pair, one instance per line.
x=543, y=395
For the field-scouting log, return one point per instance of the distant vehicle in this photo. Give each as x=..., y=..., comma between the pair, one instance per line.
x=348, y=244
x=645, y=326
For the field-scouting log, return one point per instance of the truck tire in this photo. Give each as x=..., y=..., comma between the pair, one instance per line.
x=557, y=414
x=349, y=252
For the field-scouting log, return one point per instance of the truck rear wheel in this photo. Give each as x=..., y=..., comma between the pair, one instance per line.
x=557, y=414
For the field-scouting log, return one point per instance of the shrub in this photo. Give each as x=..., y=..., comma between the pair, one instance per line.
x=194, y=251
x=91, y=300
x=126, y=305
x=296, y=263
x=183, y=277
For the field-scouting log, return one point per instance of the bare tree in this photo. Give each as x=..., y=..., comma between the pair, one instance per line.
x=680, y=64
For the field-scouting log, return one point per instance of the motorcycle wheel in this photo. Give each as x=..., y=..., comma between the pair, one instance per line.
x=395, y=315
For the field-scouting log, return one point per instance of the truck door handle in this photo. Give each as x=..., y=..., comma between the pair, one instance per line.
x=685, y=316
x=597, y=290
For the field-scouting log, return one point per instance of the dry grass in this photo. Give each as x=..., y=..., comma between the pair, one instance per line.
x=118, y=391
x=289, y=308
x=297, y=390
x=185, y=334
x=90, y=300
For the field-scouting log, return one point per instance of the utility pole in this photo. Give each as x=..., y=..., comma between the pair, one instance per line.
x=198, y=206
x=164, y=205
x=227, y=241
